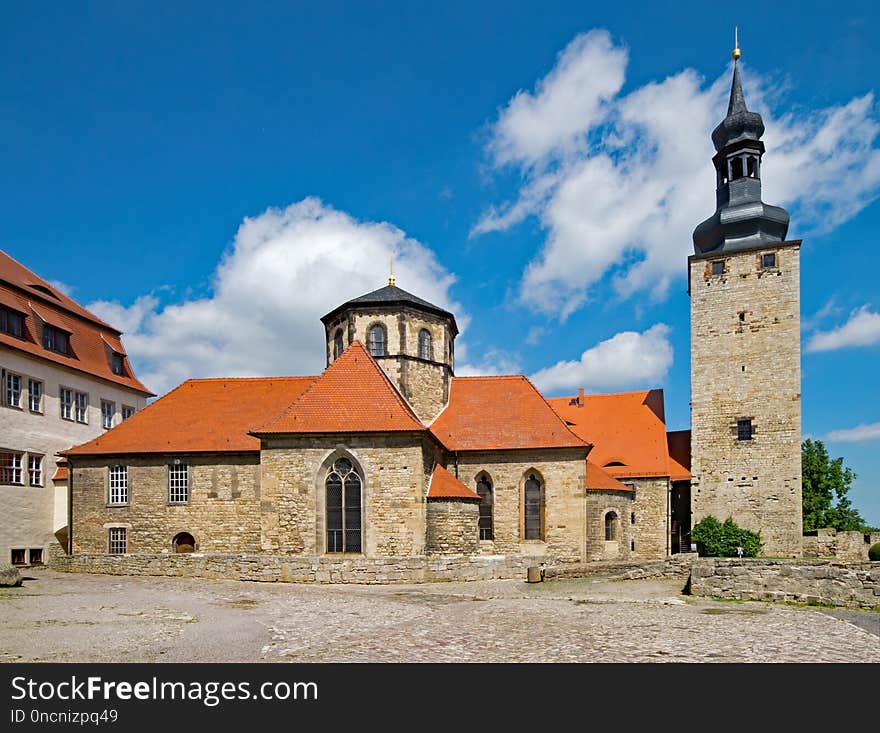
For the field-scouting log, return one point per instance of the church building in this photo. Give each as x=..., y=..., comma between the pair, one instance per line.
x=388, y=454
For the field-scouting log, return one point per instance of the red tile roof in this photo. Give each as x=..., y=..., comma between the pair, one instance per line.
x=500, y=413
x=679, y=442
x=445, y=486
x=92, y=341
x=628, y=430
x=201, y=415
x=353, y=395
x=61, y=470
x=598, y=479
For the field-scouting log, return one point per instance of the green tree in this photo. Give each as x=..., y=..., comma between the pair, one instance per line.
x=826, y=483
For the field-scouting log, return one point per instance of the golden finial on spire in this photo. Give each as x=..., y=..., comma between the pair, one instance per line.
x=736, y=52
x=391, y=280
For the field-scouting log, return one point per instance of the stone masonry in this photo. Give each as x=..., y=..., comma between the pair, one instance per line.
x=223, y=513
x=745, y=364
x=452, y=527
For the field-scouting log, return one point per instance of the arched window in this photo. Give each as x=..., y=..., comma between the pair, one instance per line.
x=425, y=350
x=338, y=346
x=611, y=526
x=484, y=489
x=343, y=493
x=533, y=509
x=377, y=340
x=184, y=542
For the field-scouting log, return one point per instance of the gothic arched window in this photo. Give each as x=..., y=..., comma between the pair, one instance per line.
x=377, y=340
x=338, y=346
x=533, y=495
x=425, y=350
x=611, y=526
x=343, y=499
x=484, y=490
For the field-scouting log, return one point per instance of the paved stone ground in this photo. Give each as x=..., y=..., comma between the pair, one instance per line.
x=72, y=617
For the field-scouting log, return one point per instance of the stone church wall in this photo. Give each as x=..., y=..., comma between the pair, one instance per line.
x=563, y=472
x=452, y=526
x=223, y=512
x=293, y=470
x=599, y=504
x=745, y=363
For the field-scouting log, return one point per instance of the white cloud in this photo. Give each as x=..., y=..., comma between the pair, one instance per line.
x=619, y=181
x=572, y=98
x=493, y=363
x=858, y=434
x=628, y=359
x=862, y=329
x=286, y=268
x=62, y=286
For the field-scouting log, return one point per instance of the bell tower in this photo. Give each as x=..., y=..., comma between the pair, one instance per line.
x=744, y=286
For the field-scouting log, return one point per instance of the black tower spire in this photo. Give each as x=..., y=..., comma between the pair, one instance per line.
x=741, y=220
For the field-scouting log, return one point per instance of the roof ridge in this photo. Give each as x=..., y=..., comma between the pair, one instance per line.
x=245, y=379
x=493, y=376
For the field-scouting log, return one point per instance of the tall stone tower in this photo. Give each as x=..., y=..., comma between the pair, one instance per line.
x=744, y=285
x=411, y=339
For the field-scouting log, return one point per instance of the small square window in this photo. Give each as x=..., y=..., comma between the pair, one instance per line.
x=118, y=541
x=743, y=429
x=36, y=556
x=718, y=267
x=19, y=557
x=768, y=261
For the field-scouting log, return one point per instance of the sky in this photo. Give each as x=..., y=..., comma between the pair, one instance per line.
x=213, y=178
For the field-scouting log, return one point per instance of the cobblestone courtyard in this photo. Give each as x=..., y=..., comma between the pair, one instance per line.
x=59, y=617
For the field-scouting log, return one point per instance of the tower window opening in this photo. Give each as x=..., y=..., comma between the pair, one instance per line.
x=768, y=261
x=736, y=169
x=377, y=340
x=752, y=165
x=744, y=430
x=718, y=267
x=742, y=316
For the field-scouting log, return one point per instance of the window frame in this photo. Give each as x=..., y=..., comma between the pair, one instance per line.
x=13, y=551
x=39, y=556
x=384, y=331
x=8, y=390
x=35, y=472
x=533, y=476
x=723, y=267
x=38, y=410
x=744, y=427
x=345, y=507
x=81, y=410
x=774, y=265
x=14, y=468
x=122, y=486
x=54, y=338
x=127, y=412
x=612, y=522
x=62, y=403
x=178, y=487
x=486, y=508
x=105, y=422
x=426, y=344
x=6, y=318
x=117, y=358
x=120, y=540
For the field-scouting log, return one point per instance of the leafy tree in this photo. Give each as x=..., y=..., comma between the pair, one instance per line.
x=715, y=539
x=826, y=483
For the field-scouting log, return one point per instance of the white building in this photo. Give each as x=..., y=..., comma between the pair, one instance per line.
x=64, y=379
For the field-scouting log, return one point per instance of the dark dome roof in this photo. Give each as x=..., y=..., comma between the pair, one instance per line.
x=391, y=295
x=740, y=124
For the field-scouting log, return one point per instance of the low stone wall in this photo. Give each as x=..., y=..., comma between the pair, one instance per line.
x=829, y=582
x=828, y=542
x=287, y=569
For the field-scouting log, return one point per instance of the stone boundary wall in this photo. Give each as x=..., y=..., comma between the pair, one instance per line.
x=829, y=582
x=828, y=542
x=286, y=569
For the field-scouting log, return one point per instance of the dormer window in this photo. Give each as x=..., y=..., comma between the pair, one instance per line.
x=11, y=323
x=54, y=339
x=117, y=364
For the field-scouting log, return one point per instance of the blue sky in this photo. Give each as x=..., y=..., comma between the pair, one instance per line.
x=214, y=178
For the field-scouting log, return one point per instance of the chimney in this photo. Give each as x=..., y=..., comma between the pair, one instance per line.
x=581, y=397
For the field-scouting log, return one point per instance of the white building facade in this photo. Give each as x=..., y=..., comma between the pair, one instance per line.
x=64, y=379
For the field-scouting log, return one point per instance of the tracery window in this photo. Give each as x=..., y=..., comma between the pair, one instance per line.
x=343, y=505
x=425, y=347
x=484, y=490
x=533, y=509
